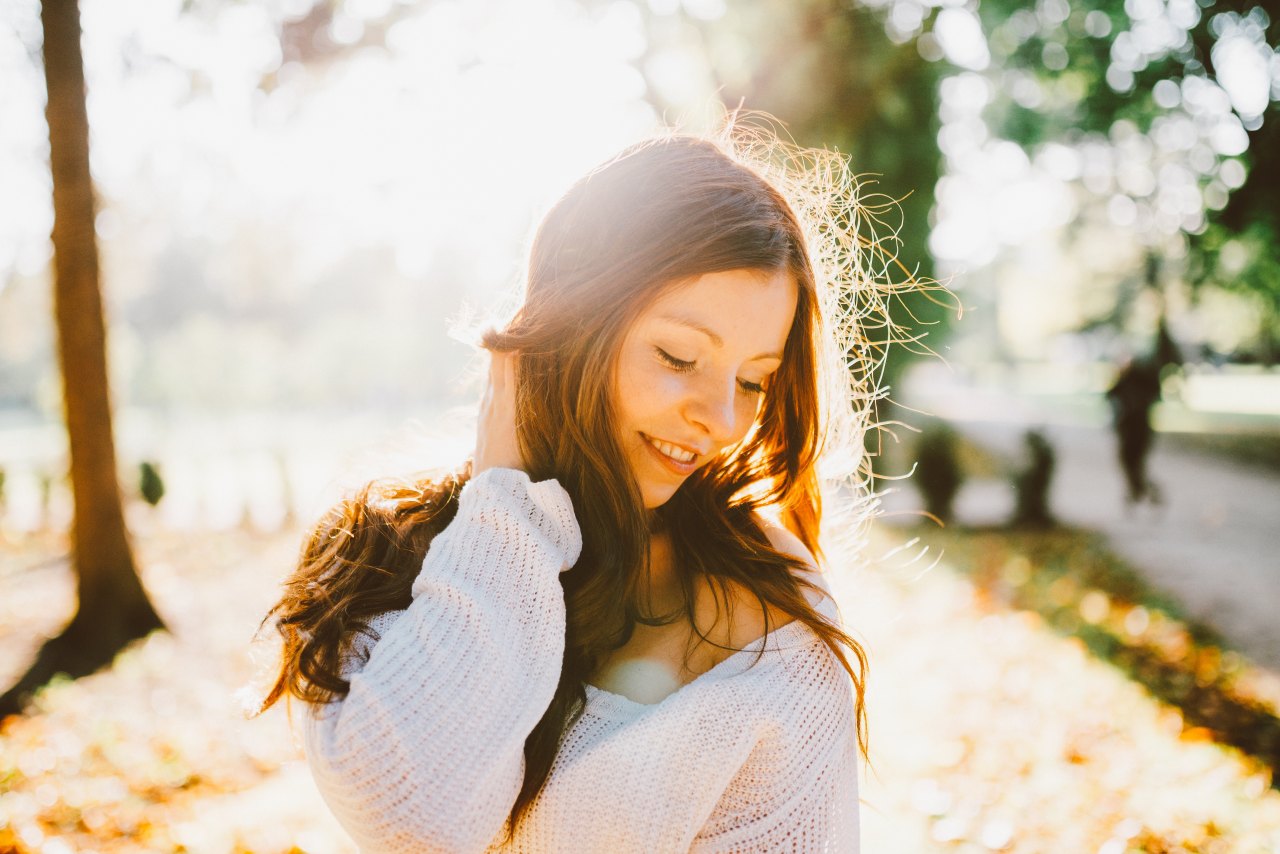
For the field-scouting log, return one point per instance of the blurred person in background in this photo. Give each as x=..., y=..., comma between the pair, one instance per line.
x=609, y=630
x=1132, y=396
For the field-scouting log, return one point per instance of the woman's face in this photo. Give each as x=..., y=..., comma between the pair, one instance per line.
x=687, y=383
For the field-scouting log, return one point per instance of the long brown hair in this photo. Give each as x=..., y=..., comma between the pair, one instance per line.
x=660, y=213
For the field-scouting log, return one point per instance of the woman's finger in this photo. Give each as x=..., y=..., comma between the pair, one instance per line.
x=497, y=445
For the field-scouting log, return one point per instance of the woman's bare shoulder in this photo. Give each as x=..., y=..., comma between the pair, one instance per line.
x=748, y=616
x=786, y=542
x=790, y=545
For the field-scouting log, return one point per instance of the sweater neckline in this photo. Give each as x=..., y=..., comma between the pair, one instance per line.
x=617, y=705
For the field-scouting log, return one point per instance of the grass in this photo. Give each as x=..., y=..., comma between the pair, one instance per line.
x=995, y=728
x=1082, y=591
x=1251, y=449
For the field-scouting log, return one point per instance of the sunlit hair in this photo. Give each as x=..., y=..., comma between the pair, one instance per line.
x=660, y=214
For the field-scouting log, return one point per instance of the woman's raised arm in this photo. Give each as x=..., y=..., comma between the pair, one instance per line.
x=426, y=751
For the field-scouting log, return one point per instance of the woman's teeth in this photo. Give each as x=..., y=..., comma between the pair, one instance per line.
x=673, y=452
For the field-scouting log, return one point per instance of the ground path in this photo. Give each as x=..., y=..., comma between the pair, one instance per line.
x=1213, y=544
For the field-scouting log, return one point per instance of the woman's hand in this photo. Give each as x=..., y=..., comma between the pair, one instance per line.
x=496, y=443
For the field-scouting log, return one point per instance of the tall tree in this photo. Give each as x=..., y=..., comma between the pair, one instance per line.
x=113, y=606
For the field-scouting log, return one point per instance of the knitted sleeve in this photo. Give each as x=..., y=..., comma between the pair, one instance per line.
x=798, y=790
x=426, y=751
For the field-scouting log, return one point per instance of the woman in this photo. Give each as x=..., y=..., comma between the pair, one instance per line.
x=609, y=646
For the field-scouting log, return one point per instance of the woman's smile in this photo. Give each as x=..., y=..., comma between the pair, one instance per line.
x=681, y=461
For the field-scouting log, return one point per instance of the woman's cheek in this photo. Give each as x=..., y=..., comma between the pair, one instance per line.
x=747, y=409
x=662, y=388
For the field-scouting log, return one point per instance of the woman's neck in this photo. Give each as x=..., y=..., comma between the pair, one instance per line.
x=657, y=524
x=664, y=593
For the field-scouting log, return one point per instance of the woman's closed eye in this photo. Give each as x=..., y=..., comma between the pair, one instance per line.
x=683, y=366
x=675, y=364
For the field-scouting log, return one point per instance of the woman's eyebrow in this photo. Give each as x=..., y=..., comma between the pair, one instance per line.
x=715, y=339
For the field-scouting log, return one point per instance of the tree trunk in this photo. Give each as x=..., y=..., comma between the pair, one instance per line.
x=113, y=607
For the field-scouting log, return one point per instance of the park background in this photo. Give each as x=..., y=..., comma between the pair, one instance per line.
x=297, y=201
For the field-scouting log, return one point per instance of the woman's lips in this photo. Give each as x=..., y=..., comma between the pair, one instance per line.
x=672, y=464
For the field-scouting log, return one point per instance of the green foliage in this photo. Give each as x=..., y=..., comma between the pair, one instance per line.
x=1080, y=589
x=1243, y=261
x=1066, y=72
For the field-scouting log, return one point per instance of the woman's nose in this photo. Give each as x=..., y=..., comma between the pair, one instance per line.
x=712, y=408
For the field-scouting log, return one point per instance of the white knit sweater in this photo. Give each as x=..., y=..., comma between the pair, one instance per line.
x=425, y=753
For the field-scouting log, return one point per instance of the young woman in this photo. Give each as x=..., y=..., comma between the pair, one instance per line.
x=608, y=632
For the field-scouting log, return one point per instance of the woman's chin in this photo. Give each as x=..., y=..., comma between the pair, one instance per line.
x=656, y=495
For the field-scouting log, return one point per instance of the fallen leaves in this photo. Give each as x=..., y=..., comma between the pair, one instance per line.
x=156, y=754
x=993, y=727
x=993, y=730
